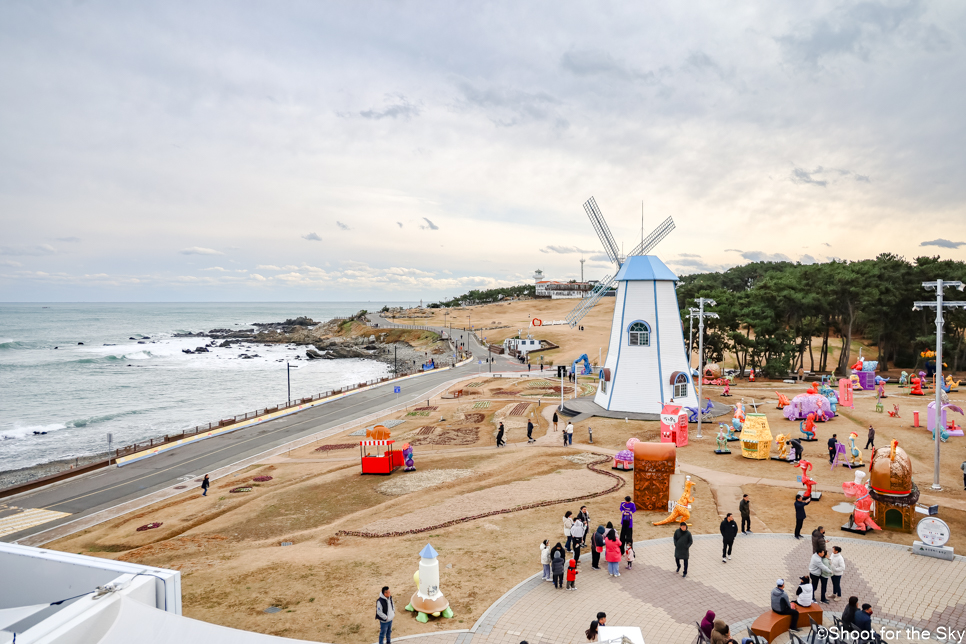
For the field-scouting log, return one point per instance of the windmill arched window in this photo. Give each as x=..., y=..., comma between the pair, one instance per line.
x=679, y=384
x=639, y=334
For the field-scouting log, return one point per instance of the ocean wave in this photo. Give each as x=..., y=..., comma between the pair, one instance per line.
x=93, y=420
x=27, y=431
x=8, y=343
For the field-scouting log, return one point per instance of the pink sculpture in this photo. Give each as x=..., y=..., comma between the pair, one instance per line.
x=805, y=466
x=863, y=502
x=804, y=404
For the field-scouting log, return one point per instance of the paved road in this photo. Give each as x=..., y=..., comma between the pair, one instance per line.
x=107, y=488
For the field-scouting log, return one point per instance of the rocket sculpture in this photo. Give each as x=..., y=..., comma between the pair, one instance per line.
x=427, y=599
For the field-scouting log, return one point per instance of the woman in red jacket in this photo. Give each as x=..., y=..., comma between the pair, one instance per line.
x=612, y=553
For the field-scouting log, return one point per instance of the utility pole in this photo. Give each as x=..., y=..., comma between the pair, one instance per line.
x=288, y=373
x=692, y=313
x=939, y=305
x=582, y=260
x=701, y=315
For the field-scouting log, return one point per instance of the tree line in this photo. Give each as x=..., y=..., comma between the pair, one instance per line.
x=770, y=313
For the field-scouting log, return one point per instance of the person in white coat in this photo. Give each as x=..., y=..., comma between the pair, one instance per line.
x=577, y=534
x=838, y=567
x=568, y=523
x=805, y=593
x=545, y=559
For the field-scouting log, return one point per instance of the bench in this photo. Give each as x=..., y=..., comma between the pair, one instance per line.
x=770, y=625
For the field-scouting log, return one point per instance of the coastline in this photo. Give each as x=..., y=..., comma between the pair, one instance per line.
x=19, y=476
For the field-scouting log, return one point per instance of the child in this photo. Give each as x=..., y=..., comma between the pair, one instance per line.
x=545, y=559
x=572, y=573
x=629, y=555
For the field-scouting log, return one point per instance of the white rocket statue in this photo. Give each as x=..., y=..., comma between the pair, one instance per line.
x=427, y=599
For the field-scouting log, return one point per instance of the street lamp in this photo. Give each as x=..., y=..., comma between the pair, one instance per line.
x=939, y=305
x=288, y=372
x=701, y=315
x=692, y=313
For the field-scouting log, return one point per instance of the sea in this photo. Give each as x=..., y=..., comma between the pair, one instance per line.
x=71, y=374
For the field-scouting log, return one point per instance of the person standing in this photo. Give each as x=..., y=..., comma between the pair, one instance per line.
x=555, y=419
x=831, y=447
x=627, y=522
x=871, y=441
x=629, y=555
x=744, y=509
x=499, y=437
x=612, y=553
x=800, y=504
x=596, y=547
x=385, y=611
x=963, y=468
x=205, y=484
x=838, y=568
x=729, y=530
x=572, y=573
x=545, y=559
x=569, y=434
x=529, y=431
x=585, y=519
x=818, y=539
x=577, y=532
x=568, y=524
x=817, y=570
x=557, y=564
x=682, y=547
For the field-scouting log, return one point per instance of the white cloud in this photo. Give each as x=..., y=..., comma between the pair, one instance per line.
x=312, y=237
x=267, y=267
x=198, y=250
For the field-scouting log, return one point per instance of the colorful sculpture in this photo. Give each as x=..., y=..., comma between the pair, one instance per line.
x=654, y=464
x=854, y=379
x=379, y=433
x=916, y=386
x=892, y=488
x=740, y=411
x=756, y=437
x=782, y=441
x=624, y=459
x=407, y=452
x=860, y=518
x=952, y=385
x=783, y=400
x=809, y=403
x=950, y=428
x=428, y=600
x=722, y=440
x=682, y=507
x=903, y=380
x=807, y=481
x=855, y=455
x=727, y=389
x=845, y=397
x=807, y=427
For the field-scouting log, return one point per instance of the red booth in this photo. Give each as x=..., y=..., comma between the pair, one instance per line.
x=674, y=425
x=379, y=463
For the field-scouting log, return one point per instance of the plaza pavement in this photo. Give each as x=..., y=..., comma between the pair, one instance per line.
x=904, y=590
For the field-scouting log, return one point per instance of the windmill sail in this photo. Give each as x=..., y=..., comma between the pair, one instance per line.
x=585, y=305
x=602, y=230
x=652, y=240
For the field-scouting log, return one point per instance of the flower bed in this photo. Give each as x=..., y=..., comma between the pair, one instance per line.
x=327, y=448
x=243, y=488
x=262, y=479
x=150, y=526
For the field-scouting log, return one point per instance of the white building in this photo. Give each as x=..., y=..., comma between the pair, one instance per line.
x=646, y=363
x=522, y=346
x=563, y=290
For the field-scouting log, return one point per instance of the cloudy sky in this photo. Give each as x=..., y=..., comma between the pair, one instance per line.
x=327, y=151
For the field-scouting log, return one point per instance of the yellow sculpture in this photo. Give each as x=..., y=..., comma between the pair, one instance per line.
x=952, y=384
x=681, y=511
x=855, y=454
x=856, y=385
x=782, y=441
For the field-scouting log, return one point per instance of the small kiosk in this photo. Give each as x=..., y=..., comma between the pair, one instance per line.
x=379, y=463
x=674, y=425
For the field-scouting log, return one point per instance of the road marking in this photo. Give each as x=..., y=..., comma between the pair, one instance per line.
x=232, y=446
x=27, y=519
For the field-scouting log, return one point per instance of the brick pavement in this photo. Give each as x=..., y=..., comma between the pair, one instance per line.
x=904, y=589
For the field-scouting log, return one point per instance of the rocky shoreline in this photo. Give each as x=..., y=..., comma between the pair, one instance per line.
x=10, y=478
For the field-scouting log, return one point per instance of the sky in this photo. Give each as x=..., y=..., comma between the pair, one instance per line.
x=241, y=151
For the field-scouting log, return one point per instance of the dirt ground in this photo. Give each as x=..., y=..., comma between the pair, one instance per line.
x=228, y=545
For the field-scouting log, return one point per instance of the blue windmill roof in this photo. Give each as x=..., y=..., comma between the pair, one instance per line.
x=428, y=552
x=644, y=267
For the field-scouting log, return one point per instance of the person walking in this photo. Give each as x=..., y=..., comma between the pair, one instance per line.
x=594, y=625
x=627, y=509
x=545, y=559
x=205, y=484
x=817, y=570
x=818, y=539
x=871, y=441
x=572, y=573
x=568, y=524
x=596, y=547
x=529, y=431
x=612, y=553
x=499, y=437
x=555, y=419
x=577, y=534
x=838, y=568
x=831, y=447
x=781, y=604
x=729, y=530
x=385, y=611
x=744, y=509
x=557, y=563
x=682, y=547
x=800, y=504
x=569, y=434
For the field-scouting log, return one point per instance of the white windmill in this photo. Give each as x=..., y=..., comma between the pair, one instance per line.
x=646, y=364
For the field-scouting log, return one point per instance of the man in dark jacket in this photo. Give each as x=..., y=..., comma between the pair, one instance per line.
x=744, y=509
x=584, y=517
x=529, y=431
x=597, y=543
x=385, y=611
x=797, y=450
x=555, y=420
x=682, y=547
x=205, y=484
x=818, y=539
x=729, y=530
x=557, y=564
x=871, y=441
x=831, y=447
x=800, y=504
x=781, y=604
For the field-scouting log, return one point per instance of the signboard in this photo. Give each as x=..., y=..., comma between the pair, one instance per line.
x=933, y=531
x=397, y=389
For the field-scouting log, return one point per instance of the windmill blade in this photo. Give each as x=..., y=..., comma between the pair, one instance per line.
x=585, y=305
x=652, y=240
x=602, y=230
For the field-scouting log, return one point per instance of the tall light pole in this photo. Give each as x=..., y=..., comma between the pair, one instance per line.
x=288, y=372
x=692, y=313
x=701, y=315
x=939, y=305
